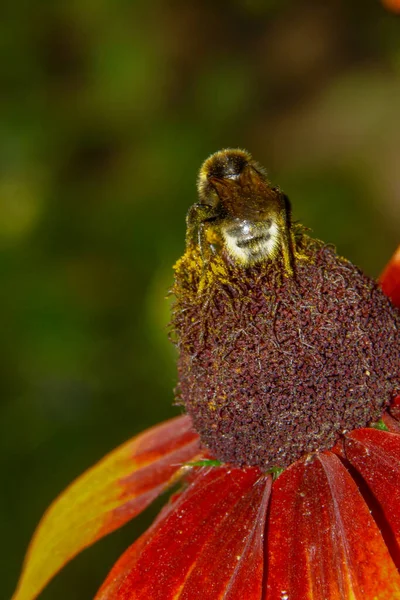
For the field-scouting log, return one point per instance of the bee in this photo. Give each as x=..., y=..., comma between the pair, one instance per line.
x=240, y=212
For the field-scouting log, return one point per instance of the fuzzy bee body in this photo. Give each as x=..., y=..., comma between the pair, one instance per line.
x=240, y=212
x=250, y=242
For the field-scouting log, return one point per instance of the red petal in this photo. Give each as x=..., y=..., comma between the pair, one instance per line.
x=394, y=408
x=232, y=562
x=208, y=545
x=391, y=423
x=115, y=490
x=322, y=541
x=390, y=279
x=376, y=456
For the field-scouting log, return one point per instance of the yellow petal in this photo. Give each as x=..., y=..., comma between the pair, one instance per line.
x=105, y=497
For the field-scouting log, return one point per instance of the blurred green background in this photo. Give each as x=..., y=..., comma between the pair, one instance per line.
x=107, y=110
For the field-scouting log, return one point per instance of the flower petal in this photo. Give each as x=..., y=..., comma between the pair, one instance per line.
x=390, y=278
x=322, y=539
x=113, y=491
x=391, y=422
x=376, y=456
x=232, y=562
x=394, y=408
x=209, y=544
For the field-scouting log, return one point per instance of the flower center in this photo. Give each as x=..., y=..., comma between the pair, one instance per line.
x=281, y=356
x=272, y=368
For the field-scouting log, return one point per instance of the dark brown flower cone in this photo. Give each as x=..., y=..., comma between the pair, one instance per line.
x=271, y=366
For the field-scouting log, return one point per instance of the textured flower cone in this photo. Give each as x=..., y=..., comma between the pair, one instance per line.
x=292, y=380
x=272, y=367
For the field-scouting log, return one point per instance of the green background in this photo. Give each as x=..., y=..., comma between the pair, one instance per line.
x=107, y=110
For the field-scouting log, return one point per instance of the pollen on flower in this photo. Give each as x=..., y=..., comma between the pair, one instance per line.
x=273, y=367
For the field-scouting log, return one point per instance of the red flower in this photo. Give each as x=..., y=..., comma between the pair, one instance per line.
x=326, y=528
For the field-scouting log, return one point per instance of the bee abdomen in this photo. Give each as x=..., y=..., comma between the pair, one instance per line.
x=251, y=242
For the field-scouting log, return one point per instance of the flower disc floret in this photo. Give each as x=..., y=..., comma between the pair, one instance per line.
x=274, y=367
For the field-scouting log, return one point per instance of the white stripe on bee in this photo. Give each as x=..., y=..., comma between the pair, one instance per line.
x=251, y=242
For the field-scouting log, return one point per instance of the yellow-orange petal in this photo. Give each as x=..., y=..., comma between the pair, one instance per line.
x=390, y=278
x=208, y=544
x=322, y=540
x=115, y=490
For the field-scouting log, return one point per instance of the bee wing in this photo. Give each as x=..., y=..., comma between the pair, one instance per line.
x=248, y=196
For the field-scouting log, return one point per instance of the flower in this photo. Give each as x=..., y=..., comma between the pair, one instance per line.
x=289, y=368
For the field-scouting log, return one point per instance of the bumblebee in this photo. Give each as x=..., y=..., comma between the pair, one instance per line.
x=240, y=212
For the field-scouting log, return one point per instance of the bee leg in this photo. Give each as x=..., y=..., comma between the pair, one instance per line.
x=287, y=250
x=195, y=220
x=287, y=238
x=192, y=222
x=206, y=250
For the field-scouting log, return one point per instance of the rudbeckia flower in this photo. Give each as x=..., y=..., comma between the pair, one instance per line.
x=288, y=456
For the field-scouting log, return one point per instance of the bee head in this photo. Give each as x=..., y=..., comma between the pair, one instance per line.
x=234, y=185
x=226, y=166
